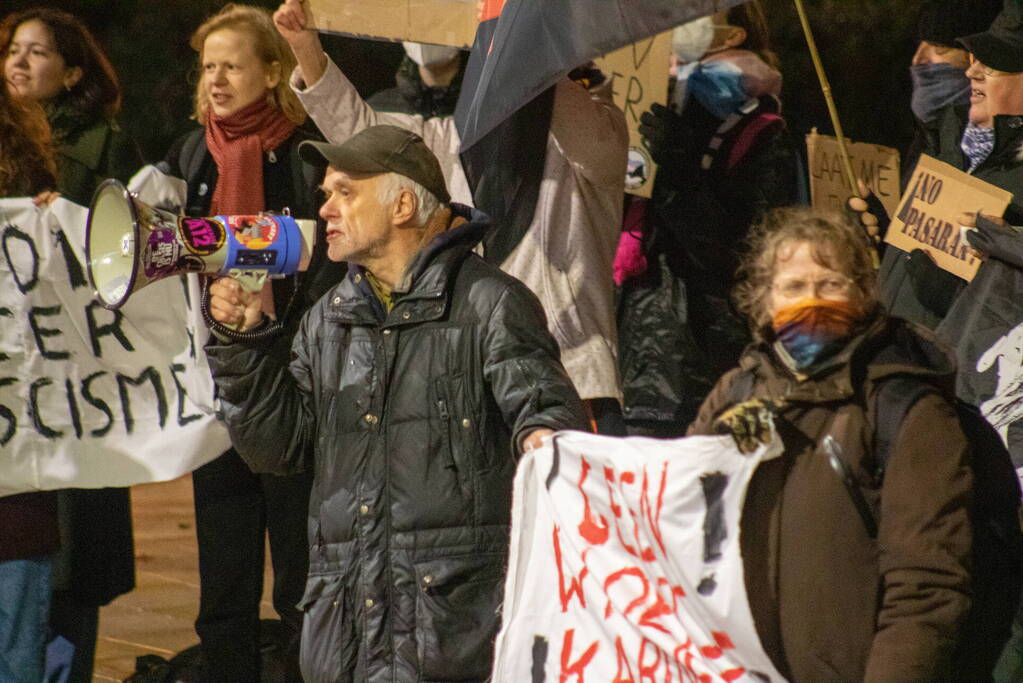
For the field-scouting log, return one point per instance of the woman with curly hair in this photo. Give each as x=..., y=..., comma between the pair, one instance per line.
x=28, y=522
x=51, y=60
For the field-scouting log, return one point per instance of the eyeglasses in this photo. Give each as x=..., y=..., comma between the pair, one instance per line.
x=832, y=287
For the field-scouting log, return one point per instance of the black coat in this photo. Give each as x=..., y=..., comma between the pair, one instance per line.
x=924, y=294
x=414, y=417
x=677, y=330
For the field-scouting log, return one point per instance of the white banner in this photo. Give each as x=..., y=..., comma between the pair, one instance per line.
x=625, y=564
x=91, y=397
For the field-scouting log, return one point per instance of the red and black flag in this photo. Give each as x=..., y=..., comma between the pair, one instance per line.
x=522, y=48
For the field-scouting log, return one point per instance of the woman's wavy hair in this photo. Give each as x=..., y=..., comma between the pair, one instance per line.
x=98, y=91
x=27, y=152
x=750, y=16
x=837, y=244
x=269, y=46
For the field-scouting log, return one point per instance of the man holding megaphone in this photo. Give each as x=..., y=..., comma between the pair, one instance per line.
x=414, y=384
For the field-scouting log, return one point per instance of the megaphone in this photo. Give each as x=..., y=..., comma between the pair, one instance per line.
x=129, y=244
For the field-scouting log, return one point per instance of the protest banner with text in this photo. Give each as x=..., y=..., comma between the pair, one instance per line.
x=91, y=397
x=928, y=216
x=877, y=166
x=625, y=563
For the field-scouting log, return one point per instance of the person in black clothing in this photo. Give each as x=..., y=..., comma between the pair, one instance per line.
x=723, y=158
x=911, y=285
x=427, y=82
x=242, y=161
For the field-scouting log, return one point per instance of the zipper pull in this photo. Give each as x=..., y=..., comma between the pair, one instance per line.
x=271, y=156
x=443, y=407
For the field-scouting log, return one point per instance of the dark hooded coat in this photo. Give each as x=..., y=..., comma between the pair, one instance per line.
x=829, y=602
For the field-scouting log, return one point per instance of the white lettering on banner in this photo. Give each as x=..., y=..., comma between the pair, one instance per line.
x=625, y=564
x=91, y=397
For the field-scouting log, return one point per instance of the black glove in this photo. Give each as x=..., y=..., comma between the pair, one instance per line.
x=874, y=207
x=933, y=287
x=670, y=141
x=1002, y=243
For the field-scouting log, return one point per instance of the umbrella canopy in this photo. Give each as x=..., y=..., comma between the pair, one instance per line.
x=528, y=46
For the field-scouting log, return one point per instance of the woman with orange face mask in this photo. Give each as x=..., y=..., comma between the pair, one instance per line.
x=874, y=499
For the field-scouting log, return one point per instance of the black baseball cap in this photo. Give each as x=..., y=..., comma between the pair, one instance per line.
x=381, y=149
x=1001, y=46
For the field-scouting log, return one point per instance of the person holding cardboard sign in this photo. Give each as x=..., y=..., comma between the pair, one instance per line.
x=566, y=251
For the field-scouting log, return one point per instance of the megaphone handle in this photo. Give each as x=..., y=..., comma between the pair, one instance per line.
x=250, y=281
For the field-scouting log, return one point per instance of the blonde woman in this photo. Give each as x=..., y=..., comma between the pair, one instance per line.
x=243, y=160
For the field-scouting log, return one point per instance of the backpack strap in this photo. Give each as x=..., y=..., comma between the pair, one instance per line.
x=192, y=153
x=741, y=388
x=891, y=405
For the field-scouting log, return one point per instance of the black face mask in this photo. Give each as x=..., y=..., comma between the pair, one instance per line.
x=936, y=86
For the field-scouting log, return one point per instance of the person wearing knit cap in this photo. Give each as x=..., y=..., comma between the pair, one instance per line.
x=912, y=286
x=939, y=63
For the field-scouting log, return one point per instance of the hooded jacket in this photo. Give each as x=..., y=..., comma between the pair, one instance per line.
x=829, y=602
x=414, y=416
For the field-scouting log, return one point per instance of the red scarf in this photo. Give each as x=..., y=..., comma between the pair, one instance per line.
x=237, y=142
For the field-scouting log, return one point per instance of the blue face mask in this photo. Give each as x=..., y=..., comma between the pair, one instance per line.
x=717, y=85
x=936, y=86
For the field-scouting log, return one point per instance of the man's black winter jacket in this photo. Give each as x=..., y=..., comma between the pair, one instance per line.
x=414, y=417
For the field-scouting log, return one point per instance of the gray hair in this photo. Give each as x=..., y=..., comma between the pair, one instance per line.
x=390, y=185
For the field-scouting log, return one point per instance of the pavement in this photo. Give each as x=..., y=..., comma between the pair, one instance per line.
x=158, y=616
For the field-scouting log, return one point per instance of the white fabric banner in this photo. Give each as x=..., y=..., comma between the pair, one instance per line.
x=625, y=564
x=90, y=397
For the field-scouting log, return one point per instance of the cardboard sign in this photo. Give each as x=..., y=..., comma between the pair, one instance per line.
x=640, y=73
x=875, y=165
x=928, y=216
x=91, y=397
x=442, y=22
x=625, y=563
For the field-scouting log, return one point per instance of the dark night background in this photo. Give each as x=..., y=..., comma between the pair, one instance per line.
x=865, y=45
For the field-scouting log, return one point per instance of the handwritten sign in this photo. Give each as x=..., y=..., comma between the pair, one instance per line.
x=875, y=165
x=640, y=73
x=625, y=564
x=927, y=217
x=91, y=397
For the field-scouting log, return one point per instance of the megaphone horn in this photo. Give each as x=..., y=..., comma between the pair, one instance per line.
x=130, y=244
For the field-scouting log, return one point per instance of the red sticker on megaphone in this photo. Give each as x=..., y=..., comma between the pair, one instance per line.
x=202, y=236
x=254, y=232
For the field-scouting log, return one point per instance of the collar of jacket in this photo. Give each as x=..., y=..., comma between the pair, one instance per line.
x=948, y=134
x=885, y=348
x=424, y=291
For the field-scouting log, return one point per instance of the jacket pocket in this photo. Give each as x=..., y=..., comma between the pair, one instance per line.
x=456, y=425
x=457, y=618
x=327, y=651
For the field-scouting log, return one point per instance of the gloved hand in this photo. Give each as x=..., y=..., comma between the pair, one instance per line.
x=670, y=141
x=996, y=240
x=933, y=287
x=868, y=211
x=751, y=424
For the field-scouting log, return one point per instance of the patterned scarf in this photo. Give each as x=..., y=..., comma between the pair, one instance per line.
x=977, y=144
x=811, y=330
x=237, y=143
